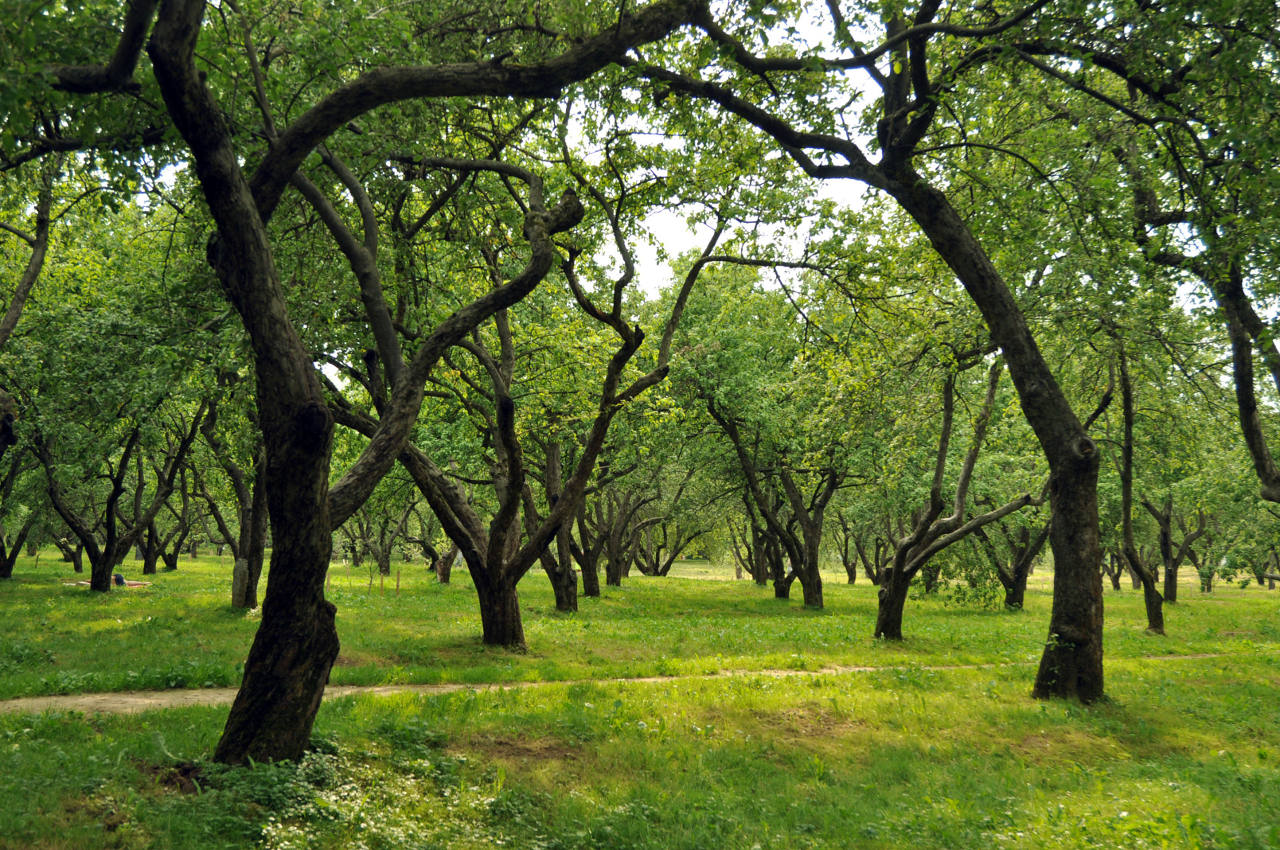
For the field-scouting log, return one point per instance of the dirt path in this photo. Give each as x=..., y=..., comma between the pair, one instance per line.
x=131, y=702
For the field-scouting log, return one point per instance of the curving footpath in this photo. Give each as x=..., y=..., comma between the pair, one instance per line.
x=132, y=702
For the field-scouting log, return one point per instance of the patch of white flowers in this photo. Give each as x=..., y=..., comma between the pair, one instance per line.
x=374, y=808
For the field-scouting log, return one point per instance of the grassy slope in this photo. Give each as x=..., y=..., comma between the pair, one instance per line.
x=1184, y=754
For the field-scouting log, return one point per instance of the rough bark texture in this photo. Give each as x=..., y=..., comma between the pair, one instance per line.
x=1154, y=603
x=500, y=615
x=591, y=580
x=444, y=564
x=586, y=551
x=150, y=552
x=564, y=580
x=892, y=598
x=1113, y=566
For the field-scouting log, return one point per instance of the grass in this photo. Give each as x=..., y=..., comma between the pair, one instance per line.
x=938, y=745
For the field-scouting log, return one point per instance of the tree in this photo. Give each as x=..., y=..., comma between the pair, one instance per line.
x=1152, y=597
x=106, y=371
x=237, y=451
x=930, y=531
x=1014, y=557
x=296, y=642
x=798, y=100
x=18, y=521
x=745, y=364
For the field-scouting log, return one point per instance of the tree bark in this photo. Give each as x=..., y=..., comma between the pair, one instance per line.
x=1015, y=594
x=254, y=545
x=587, y=554
x=1154, y=603
x=892, y=600
x=1151, y=597
x=444, y=564
x=150, y=551
x=564, y=579
x=591, y=580
x=9, y=554
x=1113, y=566
x=500, y=615
x=812, y=590
x=558, y=564
x=1024, y=548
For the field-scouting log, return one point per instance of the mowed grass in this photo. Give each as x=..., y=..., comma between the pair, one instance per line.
x=936, y=745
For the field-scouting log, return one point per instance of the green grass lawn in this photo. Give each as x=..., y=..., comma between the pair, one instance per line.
x=939, y=745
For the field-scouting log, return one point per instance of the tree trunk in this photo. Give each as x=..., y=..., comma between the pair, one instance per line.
x=240, y=583
x=809, y=572
x=1026, y=550
x=76, y=556
x=297, y=641
x=812, y=589
x=1113, y=566
x=1015, y=592
x=1154, y=604
x=565, y=587
x=150, y=551
x=500, y=615
x=255, y=550
x=1072, y=662
x=1170, y=583
x=564, y=579
x=591, y=579
x=285, y=674
x=444, y=565
x=613, y=572
x=892, y=601
x=102, y=567
x=782, y=586
x=760, y=562
x=9, y=555
x=932, y=576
